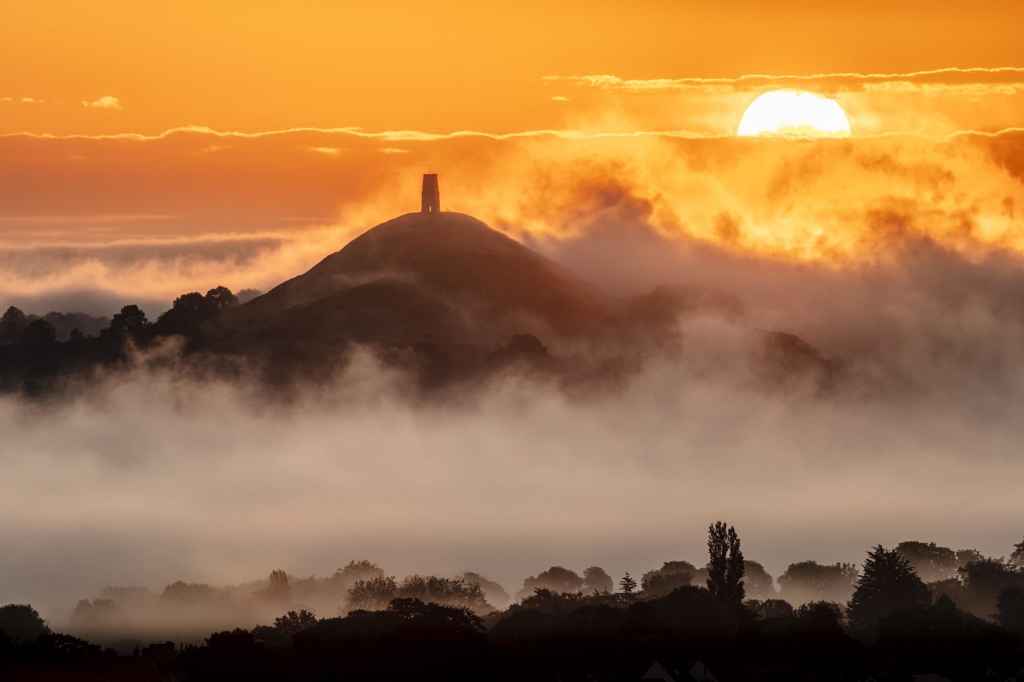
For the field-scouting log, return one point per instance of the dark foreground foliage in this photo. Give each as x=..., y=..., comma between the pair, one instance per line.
x=894, y=628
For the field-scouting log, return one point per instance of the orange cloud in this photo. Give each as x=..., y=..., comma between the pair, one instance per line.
x=104, y=102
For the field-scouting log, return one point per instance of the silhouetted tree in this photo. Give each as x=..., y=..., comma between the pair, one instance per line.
x=293, y=621
x=12, y=324
x=672, y=575
x=556, y=579
x=188, y=593
x=220, y=298
x=930, y=561
x=757, y=581
x=769, y=608
x=445, y=591
x=357, y=570
x=39, y=332
x=627, y=585
x=277, y=586
x=372, y=594
x=984, y=580
x=131, y=322
x=887, y=585
x=807, y=581
x=725, y=565
x=597, y=580
x=191, y=311
x=1011, y=609
x=966, y=556
x=21, y=623
x=819, y=617
x=493, y=592
x=1017, y=556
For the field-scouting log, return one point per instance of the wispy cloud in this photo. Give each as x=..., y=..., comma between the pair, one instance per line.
x=326, y=151
x=104, y=102
x=22, y=100
x=1001, y=80
x=393, y=150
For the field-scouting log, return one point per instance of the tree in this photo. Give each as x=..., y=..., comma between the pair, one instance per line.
x=597, y=580
x=671, y=576
x=769, y=608
x=627, y=585
x=130, y=322
x=725, y=565
x=1011, y=609
x=757, y=581
x=1017, y=556
x=931, y=562
x=887, y=585
x=556, y=579
x=12, y=324
x=966, y=556
x=39, y=332
x=984, y=580
x=21, y=623
x=293, y=622
x=373, y=594
x=493, y=592
x=445, y=591
x=221, y=297
x=807, y=581
x=819, y=617
x=277, y=586
x=191, y=311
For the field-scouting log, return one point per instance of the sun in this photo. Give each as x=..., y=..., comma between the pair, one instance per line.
x=794, y=113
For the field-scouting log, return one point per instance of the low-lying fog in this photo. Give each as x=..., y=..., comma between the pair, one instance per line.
x=149, y=478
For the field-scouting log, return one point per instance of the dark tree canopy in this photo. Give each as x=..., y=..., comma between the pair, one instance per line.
x=725, y=565
x=757, y=581
x=12, y=324
x=983, y=581
x=807, y=581
x=39, y=332
x=21, y=623
x=295, y=621
x=556, y=579
x=1011, y=609
x=672, y=575
x=931, y=562
x=887, y=585
x=1017, y=556
x=131, y=322
x=597, y=580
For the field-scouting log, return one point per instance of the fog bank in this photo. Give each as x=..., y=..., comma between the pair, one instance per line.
x=149, y=478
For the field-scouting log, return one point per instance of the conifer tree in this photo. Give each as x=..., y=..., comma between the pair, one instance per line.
x=627, y=584
x=887, y=584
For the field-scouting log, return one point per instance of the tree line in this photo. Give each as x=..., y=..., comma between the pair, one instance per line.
x=914, y=609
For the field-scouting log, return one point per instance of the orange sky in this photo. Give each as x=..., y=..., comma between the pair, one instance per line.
x=139, y=143
x=440, y=65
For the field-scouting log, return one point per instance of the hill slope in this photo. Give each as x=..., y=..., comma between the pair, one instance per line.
x=489, y=284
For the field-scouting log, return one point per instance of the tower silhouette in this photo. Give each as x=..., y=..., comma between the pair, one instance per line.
x=431, y=201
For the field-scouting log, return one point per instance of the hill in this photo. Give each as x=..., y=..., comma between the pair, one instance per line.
x=427, y=276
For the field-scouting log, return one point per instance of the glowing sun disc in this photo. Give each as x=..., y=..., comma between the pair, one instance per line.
x=794, y=113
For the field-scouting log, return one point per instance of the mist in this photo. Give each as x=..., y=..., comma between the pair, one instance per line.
x=148, y=477
x=912, y=290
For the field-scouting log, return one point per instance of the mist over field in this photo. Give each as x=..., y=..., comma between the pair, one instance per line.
x=149, y=477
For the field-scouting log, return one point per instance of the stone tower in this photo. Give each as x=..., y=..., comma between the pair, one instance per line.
x=431, y=202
